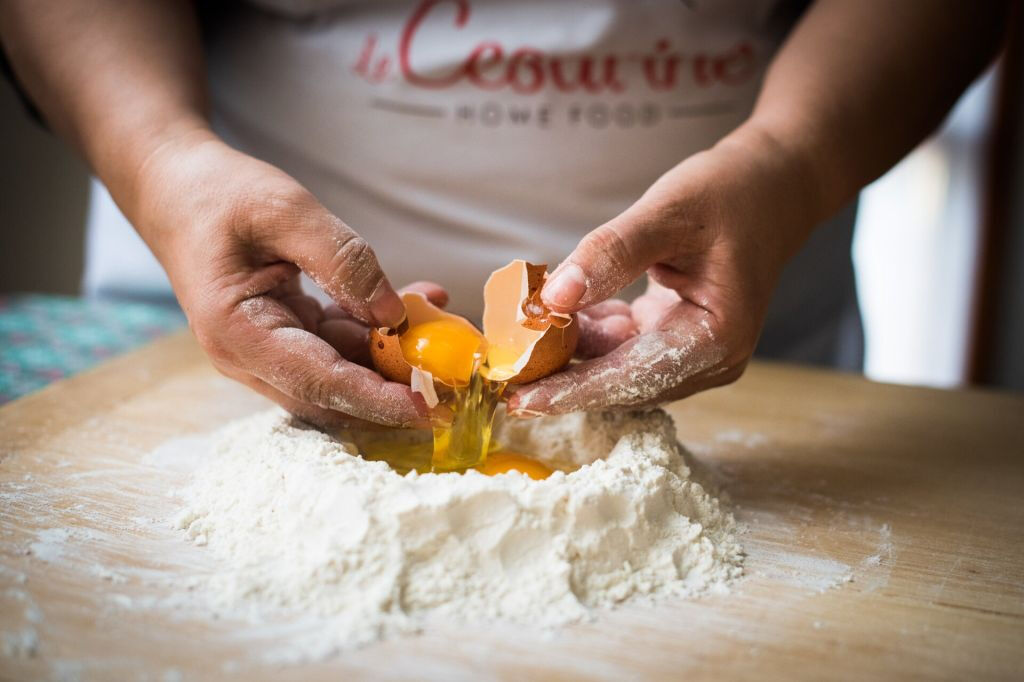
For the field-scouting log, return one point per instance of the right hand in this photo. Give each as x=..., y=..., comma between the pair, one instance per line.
x=233, y=234
x=713, y=235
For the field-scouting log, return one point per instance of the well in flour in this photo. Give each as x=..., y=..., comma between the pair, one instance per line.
x=300, y=524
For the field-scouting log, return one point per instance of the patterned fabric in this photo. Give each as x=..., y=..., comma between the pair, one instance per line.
x=45, y=338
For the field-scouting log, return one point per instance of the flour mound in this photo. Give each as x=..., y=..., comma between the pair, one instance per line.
x=300, y=524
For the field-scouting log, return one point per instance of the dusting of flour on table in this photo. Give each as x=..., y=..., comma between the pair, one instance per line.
x=300, y=524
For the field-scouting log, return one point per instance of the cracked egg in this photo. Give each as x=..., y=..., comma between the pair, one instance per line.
x=522, y=340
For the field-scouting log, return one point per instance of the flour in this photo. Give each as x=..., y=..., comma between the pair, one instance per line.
x=301, y=525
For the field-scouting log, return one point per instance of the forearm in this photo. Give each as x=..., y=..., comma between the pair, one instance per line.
x=860, y=82
x=117, y=79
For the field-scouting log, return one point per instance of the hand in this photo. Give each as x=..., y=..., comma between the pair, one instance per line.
x=713, y=235
x=233, y=234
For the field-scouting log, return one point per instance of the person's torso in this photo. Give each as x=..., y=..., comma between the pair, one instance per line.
x=456, y=135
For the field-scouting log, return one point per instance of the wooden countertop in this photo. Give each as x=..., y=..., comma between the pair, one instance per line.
x=885, y=537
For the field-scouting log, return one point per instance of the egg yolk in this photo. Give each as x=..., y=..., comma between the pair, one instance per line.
x=444, y=348
x=501, y=462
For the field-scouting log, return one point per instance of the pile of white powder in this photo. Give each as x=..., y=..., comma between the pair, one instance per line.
x=299, y=524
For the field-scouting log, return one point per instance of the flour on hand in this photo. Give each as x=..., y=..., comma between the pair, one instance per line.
x=300, y=524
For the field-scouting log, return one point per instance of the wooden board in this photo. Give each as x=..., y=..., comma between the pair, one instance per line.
x=885, y=537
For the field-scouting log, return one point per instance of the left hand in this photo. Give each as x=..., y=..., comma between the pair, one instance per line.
x=713, y=235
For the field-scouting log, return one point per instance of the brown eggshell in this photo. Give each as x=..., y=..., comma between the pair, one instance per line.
x=552, y=352
x=546, y=342
x=385, y=347
x=387, y=356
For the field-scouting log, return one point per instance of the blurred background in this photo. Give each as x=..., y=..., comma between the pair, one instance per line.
x=939, y=253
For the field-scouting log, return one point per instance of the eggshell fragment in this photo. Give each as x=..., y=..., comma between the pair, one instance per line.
x=521, y=326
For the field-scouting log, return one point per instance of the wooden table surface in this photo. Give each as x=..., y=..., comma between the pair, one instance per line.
x=884, y=534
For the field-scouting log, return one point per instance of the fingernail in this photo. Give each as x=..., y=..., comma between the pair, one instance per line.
x=566, y=287
x=386, y=307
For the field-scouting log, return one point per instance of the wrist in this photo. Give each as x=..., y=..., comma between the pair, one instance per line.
x=157, y=179
x=781, y=177
x=123, y=161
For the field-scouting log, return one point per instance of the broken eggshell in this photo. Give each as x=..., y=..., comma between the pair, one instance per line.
x=517, y=322
x=386, y=348
x=531, y=341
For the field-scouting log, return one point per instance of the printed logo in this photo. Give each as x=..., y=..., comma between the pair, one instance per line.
x=492, y=67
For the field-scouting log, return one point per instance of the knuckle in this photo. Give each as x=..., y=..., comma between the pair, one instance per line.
x=353, y=252
x=273, y=205
x=312, y=390
x=356, y=263
x=610, y=245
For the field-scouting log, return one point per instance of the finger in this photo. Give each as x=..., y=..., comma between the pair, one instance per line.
x=313, y=414
x=601, y=336
x=307, y=309
x=336, y=258
x=606, y=261
x=333, y=312
x=435, y=293
x=289, y=287
x=648, y=309
x=350, y=338
x=265, y=341
x=613, y=306
x=663, y=365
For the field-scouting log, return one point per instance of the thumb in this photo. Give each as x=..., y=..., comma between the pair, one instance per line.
x=344, y=265
x=605, y=261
